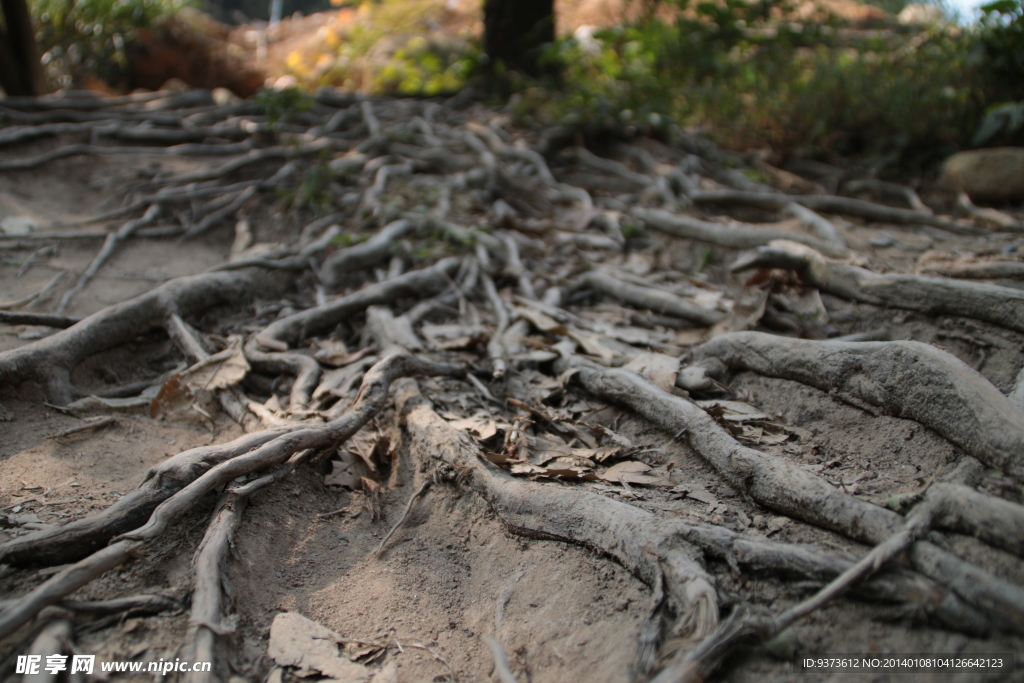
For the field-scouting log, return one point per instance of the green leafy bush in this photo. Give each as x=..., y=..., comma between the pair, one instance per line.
x=751, y=79
x=283, y=105
x=1001, y=36
x=78, y=37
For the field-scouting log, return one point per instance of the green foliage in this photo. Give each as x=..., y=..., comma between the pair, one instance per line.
x=615, y=76
x=391, y=48
x=348, y=239
x=282, y=106
x=424, y=68
x=313, y=191
x=735, y=69
x=1002, y=39
x=632, y=230
x=78, y=37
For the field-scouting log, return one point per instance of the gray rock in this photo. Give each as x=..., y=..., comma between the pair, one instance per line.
x=995, y=174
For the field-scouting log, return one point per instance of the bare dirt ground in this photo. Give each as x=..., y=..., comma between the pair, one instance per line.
x=562, y=597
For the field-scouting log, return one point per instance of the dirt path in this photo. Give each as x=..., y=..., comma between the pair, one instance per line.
x=599, y=525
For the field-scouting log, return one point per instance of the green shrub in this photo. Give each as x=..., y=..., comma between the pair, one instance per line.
x=733, y=69
x=283, y=105
x=79, y=37
x=1001, y=36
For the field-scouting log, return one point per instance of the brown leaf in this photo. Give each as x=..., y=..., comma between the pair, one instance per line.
x=298, y=642
x=632, y=472
x=591, y=344
x=599, y=454
x=347, y=470
x=542, y=448
x=541, y=321
x=657, y=367
x=481, y=427
x=221, y=370
x=171, y=392
x=329, y=351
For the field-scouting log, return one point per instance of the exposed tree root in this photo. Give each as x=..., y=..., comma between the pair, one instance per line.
x=50, y=360
x=904, y=378
x=75, y=540
x=730, y=235
x=833, y=204
x=206, y=620
x=344, y=262
x=622, y=531
x=278, y=447
x=113, y=241
x=1000, y=305
x=655, y=300
x=984, y=270
x=632, y=536
x=533, y=236
x=417, y=283
x=785, y=487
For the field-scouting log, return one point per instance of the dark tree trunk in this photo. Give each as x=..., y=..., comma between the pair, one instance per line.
x=20, y=71
x=515, y=31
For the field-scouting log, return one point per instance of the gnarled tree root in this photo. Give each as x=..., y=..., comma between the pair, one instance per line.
x=75, y=540
x=650, y=298
x=366, y=255
x=938, y=296
x=903, y=378
x=701, y=661
x=371, y=399
x=294, y=328
x=662, y=552
x=729, y=235
x=783, y=486
x=416, y=283
x=205, y=620
x=630, y=535
x=834, y=204
x=50, y=359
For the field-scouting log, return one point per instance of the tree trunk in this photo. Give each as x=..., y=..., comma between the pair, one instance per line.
x=20, y=71
x=515, y=31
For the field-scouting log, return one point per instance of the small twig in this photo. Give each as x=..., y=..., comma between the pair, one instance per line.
x=408, y=508
x=7, y=305
x=479, y=386
x=112, y=242
x=332, y=513
x=495, y=349
x=94, y=424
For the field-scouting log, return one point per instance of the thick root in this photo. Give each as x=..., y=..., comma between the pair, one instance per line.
x=937, y=296
x=904, y=378
x=786, y=488
x=50, y=359
x=730, y=235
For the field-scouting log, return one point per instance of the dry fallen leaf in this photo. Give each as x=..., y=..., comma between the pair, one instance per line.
x=657, y=367
x=329, y=351
x=347, y=470
x=599, y=454
x=542, y=448
x=632, y=472
x=541, y=321
x=695, y=492
x=221, y=370
x=312, y=649
x=480, y=426
x=591, y=344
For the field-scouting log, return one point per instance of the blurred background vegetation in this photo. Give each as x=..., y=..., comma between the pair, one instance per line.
x=757, y=74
